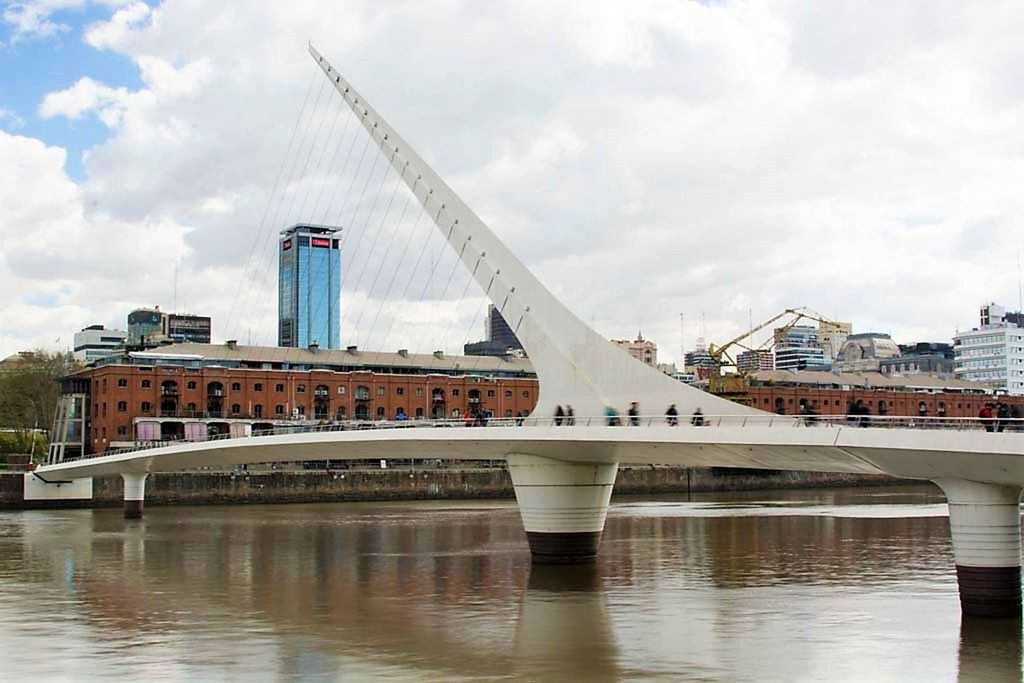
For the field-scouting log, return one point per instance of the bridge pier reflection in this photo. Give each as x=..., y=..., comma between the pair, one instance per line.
x=984, y=521
x=134, y=493
x=563, y=506
x=564, y=622
x=990, y=650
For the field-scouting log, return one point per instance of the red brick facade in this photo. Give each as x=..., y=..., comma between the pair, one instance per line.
x=786, y=400
x=123, y=395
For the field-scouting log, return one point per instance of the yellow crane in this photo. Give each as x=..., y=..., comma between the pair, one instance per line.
x=737, y=381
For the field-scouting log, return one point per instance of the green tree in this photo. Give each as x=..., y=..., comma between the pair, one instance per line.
x=29, y=390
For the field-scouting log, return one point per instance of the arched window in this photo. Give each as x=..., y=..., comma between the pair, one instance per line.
x=122, y=406
x=380, y=412
x=883, y=408
x=279, y=409
x=235, y=409
x=922, y=408
x=257, y=410
x=419, y=413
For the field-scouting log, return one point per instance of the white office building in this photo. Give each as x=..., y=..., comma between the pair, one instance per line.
x=993, y=352
x=95, y=342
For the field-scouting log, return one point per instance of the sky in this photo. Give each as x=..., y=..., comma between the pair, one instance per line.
x=719, y=160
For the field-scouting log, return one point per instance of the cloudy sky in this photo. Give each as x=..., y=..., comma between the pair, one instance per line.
x=723, y=160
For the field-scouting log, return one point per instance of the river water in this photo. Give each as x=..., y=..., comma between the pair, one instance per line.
x=842, y=585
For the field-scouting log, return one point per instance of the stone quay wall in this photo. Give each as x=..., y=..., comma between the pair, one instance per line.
x=298, y=486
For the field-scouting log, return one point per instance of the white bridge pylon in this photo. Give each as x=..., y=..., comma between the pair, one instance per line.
x=575, y=365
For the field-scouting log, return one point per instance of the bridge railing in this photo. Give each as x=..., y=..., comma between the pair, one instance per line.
x=616, y=421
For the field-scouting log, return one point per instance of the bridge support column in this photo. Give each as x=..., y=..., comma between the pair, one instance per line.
x=984, y=520
x=134, y=493
x=563, y=506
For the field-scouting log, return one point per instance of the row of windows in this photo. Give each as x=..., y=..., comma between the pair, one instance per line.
x=171, y=386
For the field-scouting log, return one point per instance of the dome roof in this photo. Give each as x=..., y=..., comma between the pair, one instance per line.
x=868, y=346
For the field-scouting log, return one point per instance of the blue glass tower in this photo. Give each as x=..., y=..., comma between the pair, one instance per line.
x=309, y=287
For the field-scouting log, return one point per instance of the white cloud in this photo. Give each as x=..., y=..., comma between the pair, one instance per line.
x=69, y=269
x=111, y=33
x=647, y=160
x=84, y=96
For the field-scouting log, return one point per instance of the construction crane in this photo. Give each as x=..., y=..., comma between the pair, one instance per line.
x=737, y=381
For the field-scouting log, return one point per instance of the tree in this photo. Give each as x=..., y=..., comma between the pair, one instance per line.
x=29, y=391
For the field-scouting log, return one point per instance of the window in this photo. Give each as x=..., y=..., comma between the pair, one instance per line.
x=122, y=431
x=257, y=387
x=342, y=413
x=508, y=412
x=381, y=391
x=490, y=393
x=419, y=391
x=508, y=393
x=362, y=393
x=146, y=384
x=191, y=384
x=455, y=414
x=301, y=409
x=146, y=406
x=400, y=391
x=257, y=410
x=279, y=388
x=380, y=412
x=192, y=408
x=104, y=384
x=301, y=389
x=279, y=409
x=341, y=391
x=455, y=392
x=235, y=409
x=526, y=394
x=419, y=413
x=122, y=406
x=122, y=383
x=236, y=386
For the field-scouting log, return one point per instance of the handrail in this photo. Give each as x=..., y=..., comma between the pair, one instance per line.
x=612, y=422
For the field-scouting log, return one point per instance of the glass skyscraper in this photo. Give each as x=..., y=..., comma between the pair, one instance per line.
x=309, y=287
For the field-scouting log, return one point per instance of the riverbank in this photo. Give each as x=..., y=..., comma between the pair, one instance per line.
x=307, y=486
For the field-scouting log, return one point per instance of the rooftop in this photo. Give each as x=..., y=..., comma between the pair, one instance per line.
x=238, y=355
x=869, y=380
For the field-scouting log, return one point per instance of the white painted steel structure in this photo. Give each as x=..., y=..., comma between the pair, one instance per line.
x=563, y=475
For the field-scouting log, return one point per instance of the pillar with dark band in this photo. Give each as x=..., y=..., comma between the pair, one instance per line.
x=134, y=493
x=984, y=520
x=563, y=506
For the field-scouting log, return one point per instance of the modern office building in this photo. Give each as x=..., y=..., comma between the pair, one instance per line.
x=148, y=327
x=498, y=331
x=95, y=341
x=993, y=352
x=499, y=338
x=798, y=347
x=755, y=360
x=309, y=287
x=183, y=327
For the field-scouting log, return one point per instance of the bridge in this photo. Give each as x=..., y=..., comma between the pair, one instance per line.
x=563, y=473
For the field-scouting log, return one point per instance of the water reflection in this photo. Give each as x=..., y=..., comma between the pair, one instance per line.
x=798, y=590
x=990, y=650
x=563, y=625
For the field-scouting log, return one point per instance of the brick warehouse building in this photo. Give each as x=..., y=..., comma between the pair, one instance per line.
x=193, y=391
x=829, y=393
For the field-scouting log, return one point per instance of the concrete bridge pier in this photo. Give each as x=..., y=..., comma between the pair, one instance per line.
x=984, y=520
x=134, y=493
x=563, y=506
